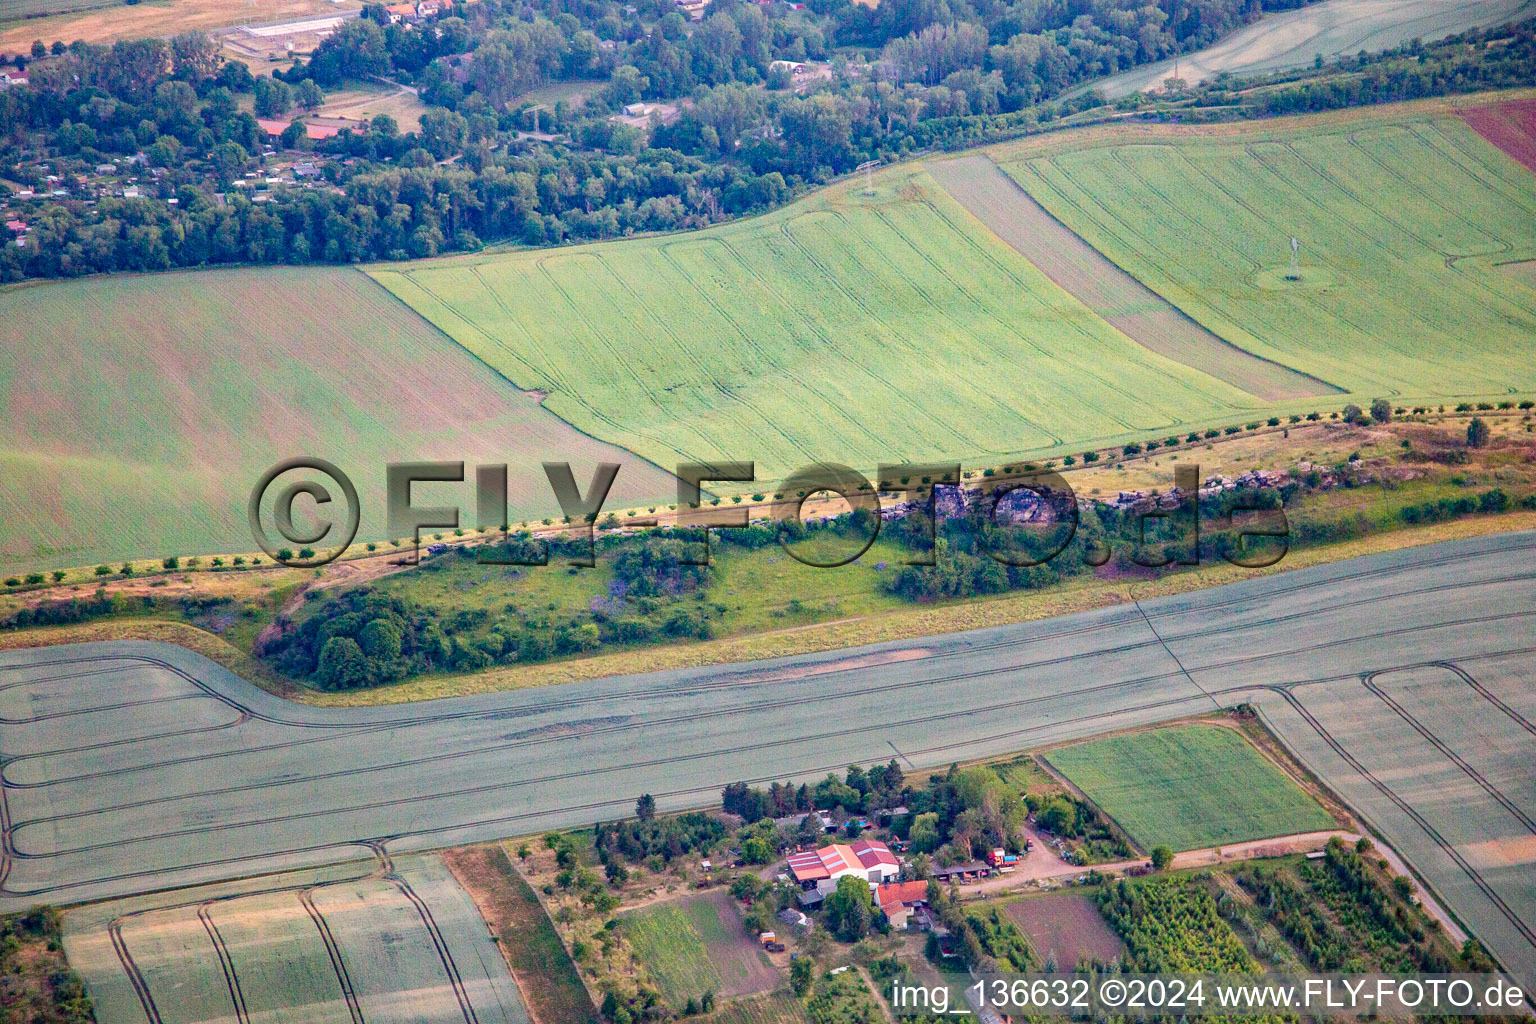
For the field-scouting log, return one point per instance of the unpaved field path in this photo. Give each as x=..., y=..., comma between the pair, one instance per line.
x=1124, y=302
x=1042, y=863
x=1334, y=28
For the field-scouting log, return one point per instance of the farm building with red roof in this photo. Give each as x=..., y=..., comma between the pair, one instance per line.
x=868, y=859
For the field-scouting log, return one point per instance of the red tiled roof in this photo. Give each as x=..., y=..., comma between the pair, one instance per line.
x=902, y=892
x=871, y=852
x=839, y=859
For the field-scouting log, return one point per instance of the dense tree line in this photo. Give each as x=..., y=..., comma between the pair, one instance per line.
x=939, y=74
x=637, y=839
x=860, y=791
x=1496, y=58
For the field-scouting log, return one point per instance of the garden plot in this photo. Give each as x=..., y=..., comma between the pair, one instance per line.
x=1068, y=925
x=697, y=945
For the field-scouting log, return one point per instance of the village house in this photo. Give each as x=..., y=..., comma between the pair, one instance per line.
x=902, y=902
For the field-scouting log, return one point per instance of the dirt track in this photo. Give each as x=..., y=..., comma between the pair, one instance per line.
x=1291, y=39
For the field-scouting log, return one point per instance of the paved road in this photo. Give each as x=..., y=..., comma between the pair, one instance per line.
x=1333, y=28
x=1402, y=679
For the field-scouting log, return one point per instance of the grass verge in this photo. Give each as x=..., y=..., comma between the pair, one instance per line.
x=550, y=986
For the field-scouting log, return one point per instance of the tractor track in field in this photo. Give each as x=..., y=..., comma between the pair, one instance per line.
x=724, y=678
x=1276, y=637
x=694, y=715
x=1418, y=819
x=1110, y=279
x=1196, y=698
x=226, y=964
x=981, y=310
x=1369, y=682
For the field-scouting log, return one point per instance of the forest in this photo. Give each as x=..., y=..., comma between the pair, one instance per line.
x=902, y=78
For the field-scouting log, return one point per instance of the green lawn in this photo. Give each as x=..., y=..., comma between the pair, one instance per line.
x=844, y=328
x=1188, y=787
x=1401, y=222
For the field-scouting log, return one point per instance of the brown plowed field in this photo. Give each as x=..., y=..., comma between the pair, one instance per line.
x=1124, y=302
x=1511, y=126
x=1067, y=923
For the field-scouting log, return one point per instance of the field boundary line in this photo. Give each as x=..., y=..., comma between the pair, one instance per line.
x=1141, y=288
x=1220, y=403
x=494, y=342
x=982, y=311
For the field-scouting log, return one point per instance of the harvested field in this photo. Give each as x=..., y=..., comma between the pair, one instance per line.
x=172, y=418
x=1128, y=305
x=795, y=337
x=105, y=21
x=1067, y=924
x=1188, y=787
x=335, y=945
x=697, y=945
x=1399, y=220
x=551, y=988
x=1334, y=28
x=1511, y=126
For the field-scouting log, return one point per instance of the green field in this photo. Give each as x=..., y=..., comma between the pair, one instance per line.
x=409, y=946
x=136, y=412
x=779, y=1008
x=1188, y=787
x=860, y=328
x=696, y=945
x=1401, y=222
x=17, y=9
x=844, y=328
x=666, y=940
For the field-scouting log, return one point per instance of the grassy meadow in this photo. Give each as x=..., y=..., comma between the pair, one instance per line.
x=848, y=328
x=136, y=412
x=1188, y=787
x=1402, y=222
x=696, y=945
